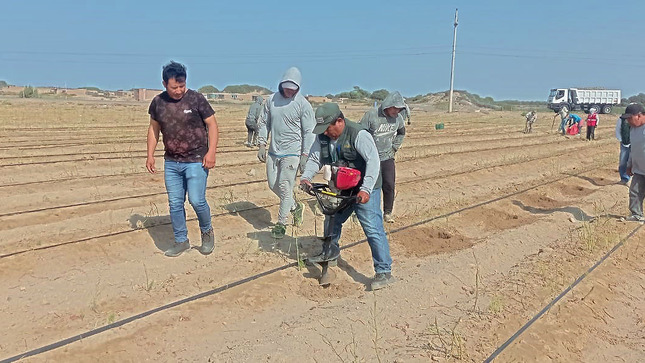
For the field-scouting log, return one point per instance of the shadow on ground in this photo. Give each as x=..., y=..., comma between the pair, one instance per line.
x=576, y=212
x=599, y=182
x=159, y=229
x=257, y=217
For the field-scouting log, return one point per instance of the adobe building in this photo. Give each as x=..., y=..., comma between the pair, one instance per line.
x=145, y=94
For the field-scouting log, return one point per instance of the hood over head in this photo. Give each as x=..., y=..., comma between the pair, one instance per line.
x=393, y=99
x=291, y=75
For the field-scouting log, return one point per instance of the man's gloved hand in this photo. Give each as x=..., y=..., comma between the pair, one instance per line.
x=362, y=197
x=305, y=185
x=262, y=153
x=303, y=162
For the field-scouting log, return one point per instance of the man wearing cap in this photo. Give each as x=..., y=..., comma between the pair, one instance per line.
x=635, y=115
x=289, y=119
x=387, y=126
x=343, y=142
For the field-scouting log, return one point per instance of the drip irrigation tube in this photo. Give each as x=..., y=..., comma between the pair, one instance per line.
x=560, y=296
x=222, y=288
x=248, y=209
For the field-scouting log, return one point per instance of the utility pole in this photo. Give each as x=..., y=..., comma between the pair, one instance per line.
x=452, y=67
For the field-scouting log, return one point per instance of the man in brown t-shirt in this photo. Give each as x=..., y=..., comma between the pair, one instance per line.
x=187, y=122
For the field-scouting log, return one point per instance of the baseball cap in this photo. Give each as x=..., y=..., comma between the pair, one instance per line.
x=289, y=85
x=325, y=115
x=633, y=109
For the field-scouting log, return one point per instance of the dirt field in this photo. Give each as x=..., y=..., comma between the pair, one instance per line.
x=492, y=225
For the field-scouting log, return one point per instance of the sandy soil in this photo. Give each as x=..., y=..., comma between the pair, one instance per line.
x=491, y=225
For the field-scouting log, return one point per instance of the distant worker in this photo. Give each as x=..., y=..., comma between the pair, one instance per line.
x=564, y=116
x=187, y=122
x=635, y=115
x=289, y=119
x=573, y=124
x=531, y=117
x=592, y=122
x=406, y=113
x=622, y=134
x=386, y=125
x=252, y=122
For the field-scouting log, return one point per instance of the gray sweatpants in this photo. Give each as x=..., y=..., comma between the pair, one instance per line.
x=636, y=194
x=281, y=175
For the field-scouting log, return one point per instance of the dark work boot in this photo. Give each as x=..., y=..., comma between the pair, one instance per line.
x=208, y=242
x=330, y=252
x=381, y=280
x=177, y=249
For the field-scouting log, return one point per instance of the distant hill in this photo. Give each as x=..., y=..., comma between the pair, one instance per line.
x=246, y=88
x=463, y=100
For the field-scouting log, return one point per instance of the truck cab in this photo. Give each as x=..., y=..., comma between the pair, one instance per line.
x=562, y=98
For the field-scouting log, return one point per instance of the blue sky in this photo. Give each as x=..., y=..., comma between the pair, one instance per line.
x=505, y=49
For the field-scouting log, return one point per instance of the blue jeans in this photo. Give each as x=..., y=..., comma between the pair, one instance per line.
x=563, y=126
x=371, y=219
x=622, y=162
x=181, y=178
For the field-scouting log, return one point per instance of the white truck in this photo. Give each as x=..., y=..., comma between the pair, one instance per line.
x=571, y=99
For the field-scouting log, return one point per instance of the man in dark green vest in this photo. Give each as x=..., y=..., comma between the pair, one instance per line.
x=340, y=142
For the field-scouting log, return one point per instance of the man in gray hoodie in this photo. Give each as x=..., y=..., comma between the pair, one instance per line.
x=252, y=122
x=387, y=126
x=289, y=119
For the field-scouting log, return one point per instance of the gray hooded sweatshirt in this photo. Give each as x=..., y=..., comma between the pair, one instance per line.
x=388, y=132
x=254, y=112
x=289, y=121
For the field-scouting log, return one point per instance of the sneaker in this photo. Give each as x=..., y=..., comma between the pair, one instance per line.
x=381, y=280
x=278, y=231
x=177, y=249
x=624, y=182
x=298, y=214
x=208, y=242
x=387, y=217
x=635, y=218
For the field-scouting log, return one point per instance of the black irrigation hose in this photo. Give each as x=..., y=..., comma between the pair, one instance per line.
x=259, y=180
x=71, y=128
x=122, y=198
x=94, y=159
x=245, y=210
x=46, y=247
x=238, y=150
x=142, y=315
x=160, y=153
x=137, y=140
x=131, y=152
x=560, y=296
x=74, y=179
x=219, y=289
